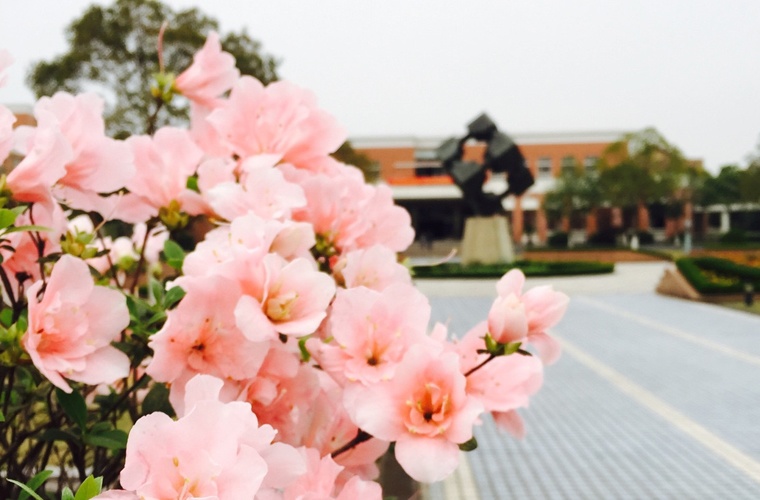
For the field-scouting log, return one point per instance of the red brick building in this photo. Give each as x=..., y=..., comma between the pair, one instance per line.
x=419, y=183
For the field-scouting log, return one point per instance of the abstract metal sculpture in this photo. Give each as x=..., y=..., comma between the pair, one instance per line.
x=501, y=155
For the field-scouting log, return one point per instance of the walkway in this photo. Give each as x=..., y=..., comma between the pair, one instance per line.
x=653, y=398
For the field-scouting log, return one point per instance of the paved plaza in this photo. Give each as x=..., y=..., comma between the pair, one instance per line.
x=653, y=398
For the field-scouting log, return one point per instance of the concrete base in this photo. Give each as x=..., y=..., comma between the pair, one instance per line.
x=487, y=240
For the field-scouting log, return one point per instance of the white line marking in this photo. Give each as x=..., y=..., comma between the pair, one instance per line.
x=732, y=455
x=675, y=332
x=461, y=484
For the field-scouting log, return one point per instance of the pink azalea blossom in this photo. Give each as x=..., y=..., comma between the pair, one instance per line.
x=293, y=300
x=47, y=154
x=200, y=336
x=348, y=213
x=321, y=482
x=503, y=384
x=262, y=190
x=215, y=450
x=425, y=409
x=71, y=328
x=518, y=317
x=163, y=164
x=375, y=267
x=280, y=118
x=98, y=164
x=211, y=74
x=372, y=331
x=5, y=60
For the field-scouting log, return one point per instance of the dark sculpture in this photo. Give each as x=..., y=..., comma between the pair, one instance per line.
x=502, y=155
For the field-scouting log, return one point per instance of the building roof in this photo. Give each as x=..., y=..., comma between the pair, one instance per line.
x=431, y=142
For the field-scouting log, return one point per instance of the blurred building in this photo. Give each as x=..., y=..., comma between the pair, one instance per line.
x=420, y=184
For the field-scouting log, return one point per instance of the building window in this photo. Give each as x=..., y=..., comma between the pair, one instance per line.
x=544, y=168
x=426, y=163
x=589, y=163
x=568, y=164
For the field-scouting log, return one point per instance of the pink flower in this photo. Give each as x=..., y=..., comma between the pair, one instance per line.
x=99, y=164
x=293, y=300
x=503, y=384
x=48, y=153
x=372, y=331
x=280, y=119
x=375, y=267
x=320, y=482
x=425, y=409
x=215, y=450
x=518, y=317
x=72, y=327
x=163, y=164
x=211, y=74
x=262, y=190
x=200, y=336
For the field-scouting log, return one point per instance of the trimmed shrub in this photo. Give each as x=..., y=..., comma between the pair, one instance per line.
x=557, y=240
x=715, y=275
x=603, y=238
x=530, y=268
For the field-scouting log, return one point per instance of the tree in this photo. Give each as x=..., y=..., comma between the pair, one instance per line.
x=643, y=168
x=722, y=189
x=113, y=50
x=576, y=191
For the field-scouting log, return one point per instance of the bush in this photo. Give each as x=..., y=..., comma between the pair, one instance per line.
x=558, y=240
x=603, y=238
x=734, y=236
x=645, y=237
x=530, y=268
x=715, y=275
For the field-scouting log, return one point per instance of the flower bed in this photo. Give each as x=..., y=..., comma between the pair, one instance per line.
x=712, y=275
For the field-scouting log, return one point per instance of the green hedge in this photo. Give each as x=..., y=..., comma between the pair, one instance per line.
x=530, y=268
x=715, y=275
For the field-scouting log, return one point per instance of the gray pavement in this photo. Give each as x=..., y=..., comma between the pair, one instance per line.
x=654, y=397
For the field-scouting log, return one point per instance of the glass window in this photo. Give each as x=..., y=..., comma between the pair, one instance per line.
x=568, y=163
x=544, y=168
x=589, y=163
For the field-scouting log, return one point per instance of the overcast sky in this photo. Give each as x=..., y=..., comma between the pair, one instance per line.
x=689, y=68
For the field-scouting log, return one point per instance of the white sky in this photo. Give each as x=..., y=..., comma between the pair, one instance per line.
x=690, y=68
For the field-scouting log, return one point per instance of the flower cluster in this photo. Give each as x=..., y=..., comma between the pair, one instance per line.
x=286, y=340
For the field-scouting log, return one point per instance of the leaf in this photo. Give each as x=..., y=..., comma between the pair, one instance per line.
x=35, y=483
x=2, y=417
x=26, y=489
x=174, y=254
x=7, y=217
x=27, y=228
x=115, y=439
x=6, y=317
x=58, y=435
x=157, y=399
x=74, y=406
x=173, y=296
x=90, y=488
x=469, y=445
x=67, y=494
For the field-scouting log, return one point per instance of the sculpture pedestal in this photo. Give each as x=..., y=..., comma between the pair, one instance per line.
x=487, y=240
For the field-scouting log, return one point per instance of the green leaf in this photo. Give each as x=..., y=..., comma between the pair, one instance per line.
x=115, y=439
x=305, y=354
x=491, y=345
x=16, y=229
x=511, y=348
x=58, y=435
x=192, y=183
x=67, y=494
x=74, y=406
x=469, y=445
x=174, y=254
x=6, y=317
x=7, y=217
x=2, y=417
x=173, y=296
x=35, y=482
x=27, y=490
x=157, y=399
x=90, y=488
